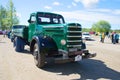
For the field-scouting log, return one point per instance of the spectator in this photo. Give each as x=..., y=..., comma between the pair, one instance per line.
x=117, y=38
x=4, y=33
x=100, y=37
x=114, y=38
x=103, y=37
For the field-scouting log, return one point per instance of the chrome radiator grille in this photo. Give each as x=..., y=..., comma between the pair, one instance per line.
x=74, y=37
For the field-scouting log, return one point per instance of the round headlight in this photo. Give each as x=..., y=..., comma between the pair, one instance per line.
x=63, y=42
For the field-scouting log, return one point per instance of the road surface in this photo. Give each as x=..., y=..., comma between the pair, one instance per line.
x=20, y=66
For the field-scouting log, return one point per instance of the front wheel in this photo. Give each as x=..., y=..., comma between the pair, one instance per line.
x=39, y=56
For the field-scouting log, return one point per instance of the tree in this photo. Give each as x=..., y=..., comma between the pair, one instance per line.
x=86, y=30
x=3, y=15
x=12, y=17
x=8, y=16
x=101, y=26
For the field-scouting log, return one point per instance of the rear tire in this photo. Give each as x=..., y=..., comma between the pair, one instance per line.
x=19, y=44
x=39, y=56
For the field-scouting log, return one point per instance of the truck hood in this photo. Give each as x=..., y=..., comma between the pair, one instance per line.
x=53, y=25
x=60, y=25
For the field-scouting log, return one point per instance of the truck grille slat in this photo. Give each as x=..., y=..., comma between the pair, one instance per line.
x=73, y=31
x=74, y=36
x=73, y=46
x=74, y=41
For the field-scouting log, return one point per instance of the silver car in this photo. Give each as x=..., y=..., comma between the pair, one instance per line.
x=86, y=36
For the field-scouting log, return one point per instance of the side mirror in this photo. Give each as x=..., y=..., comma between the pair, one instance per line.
x=29, y=21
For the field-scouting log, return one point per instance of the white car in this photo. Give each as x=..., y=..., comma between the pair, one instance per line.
x=86, y=36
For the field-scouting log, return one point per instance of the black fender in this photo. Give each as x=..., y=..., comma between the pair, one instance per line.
x=46, y=43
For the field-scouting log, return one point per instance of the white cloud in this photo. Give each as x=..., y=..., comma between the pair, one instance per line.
x=88, y=3
x=77, y=0
x=48, y=7
x=90, y=17
x=101, y=10
x=117, y=12
x=68, y=6
x=107, y=11
x=74, y=4
x=56, y=3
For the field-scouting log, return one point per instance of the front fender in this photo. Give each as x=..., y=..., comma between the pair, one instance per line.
x=45, y=42
x=35, y=39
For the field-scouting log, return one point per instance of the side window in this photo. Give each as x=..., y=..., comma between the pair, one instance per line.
x=33, y=19
x=55, y=20
x=61, y=21
x=43, y=19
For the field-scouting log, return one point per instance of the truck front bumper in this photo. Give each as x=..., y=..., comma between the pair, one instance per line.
x=75, y=56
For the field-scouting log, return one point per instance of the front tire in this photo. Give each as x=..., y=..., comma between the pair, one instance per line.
x=39, y=56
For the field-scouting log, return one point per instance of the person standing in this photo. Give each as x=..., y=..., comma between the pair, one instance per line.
x=4, y=33
x=103, y=37
x=100, y=37
x=114, y=38
x=117, y=38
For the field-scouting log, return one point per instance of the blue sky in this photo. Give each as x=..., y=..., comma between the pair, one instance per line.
x=85, y=12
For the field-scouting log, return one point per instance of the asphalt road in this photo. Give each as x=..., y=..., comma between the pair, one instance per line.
x=20, y=66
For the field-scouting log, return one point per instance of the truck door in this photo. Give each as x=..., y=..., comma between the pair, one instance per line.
x=32, y=24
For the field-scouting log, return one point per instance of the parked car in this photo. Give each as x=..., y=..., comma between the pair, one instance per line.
x=86, y=36
x=1, y=32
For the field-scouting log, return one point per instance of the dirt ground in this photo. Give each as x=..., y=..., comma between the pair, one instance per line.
x=20, y=66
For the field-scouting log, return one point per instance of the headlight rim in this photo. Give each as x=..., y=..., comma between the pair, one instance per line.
x=63, y=42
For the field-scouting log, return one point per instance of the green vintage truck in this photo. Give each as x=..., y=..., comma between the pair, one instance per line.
x=50, y=37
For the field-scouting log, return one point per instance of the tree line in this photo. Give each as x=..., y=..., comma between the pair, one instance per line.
x=100, y=26
x=8, y=16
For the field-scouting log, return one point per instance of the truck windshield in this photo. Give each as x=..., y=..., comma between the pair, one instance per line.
x=49, y=18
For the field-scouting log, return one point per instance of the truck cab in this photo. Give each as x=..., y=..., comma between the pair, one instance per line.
x=40, y=20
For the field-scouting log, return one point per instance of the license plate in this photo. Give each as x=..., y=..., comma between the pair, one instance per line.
x=78, y=58
x=72, y=49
